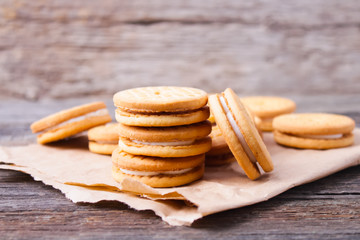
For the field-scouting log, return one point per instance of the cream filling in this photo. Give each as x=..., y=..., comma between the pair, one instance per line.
x=100, y=112
x=237, y=131
x=178, y=143
x=143, y=173
x=334, y=136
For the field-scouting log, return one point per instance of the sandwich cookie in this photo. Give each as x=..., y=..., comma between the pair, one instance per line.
x=161, y=106
x=240, y=133
x=179, y=141
x=70, y=122
x=219, y=153
x=157, y=172
x=252, y=117
x=103, y=139
x=265, y=108
x=254, y=120
x=314, y=130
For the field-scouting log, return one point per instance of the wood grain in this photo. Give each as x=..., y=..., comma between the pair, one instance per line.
x=61, y=49
x=35, y=210
x=325, y=209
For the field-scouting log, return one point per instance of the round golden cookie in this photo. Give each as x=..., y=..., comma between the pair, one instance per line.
x=166, y=134
x=268, y=106
x=161, y=119
x=161, y=181
x=240, y=133
x=161, y=99
x=157, y=172
x=314, y=130
x=65, y=115
x=105, y=133
x=263, y=124
x=192, y=148
x=71, y=129
x=265, y=108
x=70, y=122
x=102, y=148
x=219, y=153
x=313, y=143
x=103, y=139
x=314, y=123
x=129, y=161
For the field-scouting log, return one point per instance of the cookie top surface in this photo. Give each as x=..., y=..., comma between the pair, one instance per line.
x=161, y=99
x=107, y=132
x=164, y=134
x=314, y=124
x=64, y=115
x=268, y=106
x=240, y=133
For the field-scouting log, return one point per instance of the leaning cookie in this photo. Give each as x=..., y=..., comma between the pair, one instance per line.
x=103, y=139
x=157, y=172
x=240, y=133
x=219, y=153
x=266, y=108
x=314, y=130
x=70, y=122
x=179, y=141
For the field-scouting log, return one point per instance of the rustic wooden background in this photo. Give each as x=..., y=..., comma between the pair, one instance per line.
x=75, y=48
x=61, y=53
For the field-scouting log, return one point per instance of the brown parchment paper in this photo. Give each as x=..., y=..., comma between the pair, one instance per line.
x=86, y=177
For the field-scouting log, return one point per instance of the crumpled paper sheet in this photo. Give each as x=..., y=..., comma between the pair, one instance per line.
x=173, y=212
x=86, y=177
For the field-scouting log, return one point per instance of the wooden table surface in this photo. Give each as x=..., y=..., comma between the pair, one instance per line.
x=325, y=209
x=307, y=50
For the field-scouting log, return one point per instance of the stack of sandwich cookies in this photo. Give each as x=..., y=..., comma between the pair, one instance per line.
x=219, y=153
x=103, y=139
x=314, y=130
x=266, y=108
x=240, y=133
x=70, y=122
x=162, y=126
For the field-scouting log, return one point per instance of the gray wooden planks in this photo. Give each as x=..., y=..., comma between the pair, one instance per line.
x=36, y=210
x=60, y=49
